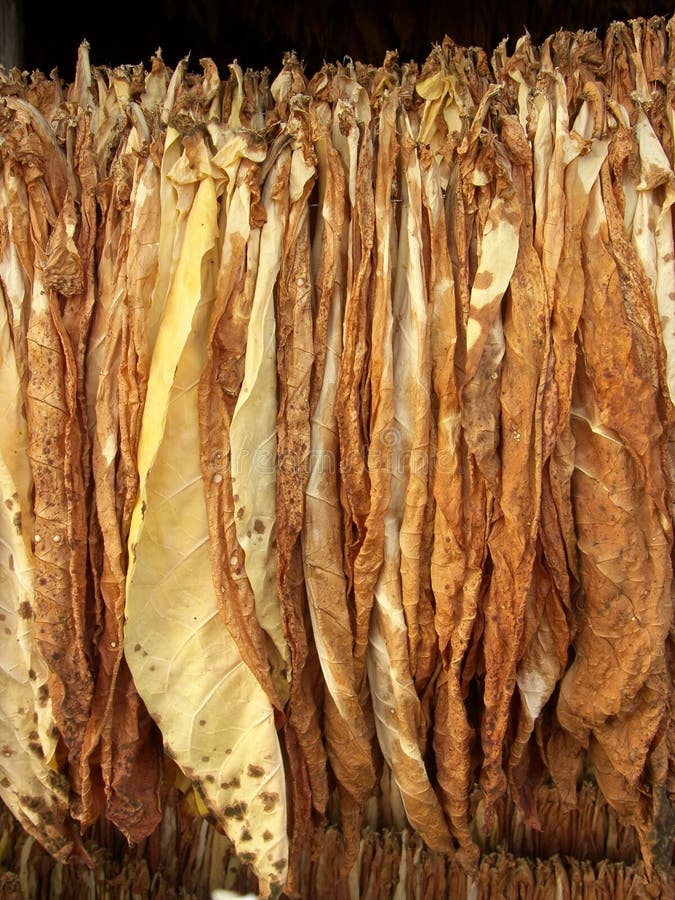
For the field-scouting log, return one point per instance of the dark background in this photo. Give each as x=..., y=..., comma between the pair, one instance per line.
x=258, y=32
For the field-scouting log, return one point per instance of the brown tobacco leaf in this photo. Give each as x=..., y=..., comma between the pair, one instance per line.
x=142, y=264
x=276, y=576
x=77, y=309
x=103, y=350
x=120, y=733
x=514, y=529
x=543, y=659
x=481, y=412
x=56, y=446
x=45, y=94
x=452, y=734
x=411, y=387
x=60, y=523
x=36, y=793
x=624, y=532
x=479, y=405
x=70, y=258
x=294, y=358
x=346, y=732
x=218, y=390
x=135, y=766
x=651, y=276
x=398, y=713
x=253, y=424
x=371, y=553
x=546, y=628
x=576, y=157
x=353, y=440
x=62, y=268
x=462, y=501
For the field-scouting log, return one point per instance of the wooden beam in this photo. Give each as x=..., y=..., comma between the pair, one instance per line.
x=11, y=33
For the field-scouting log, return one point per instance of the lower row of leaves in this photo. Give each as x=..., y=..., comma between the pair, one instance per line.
x=580, y=854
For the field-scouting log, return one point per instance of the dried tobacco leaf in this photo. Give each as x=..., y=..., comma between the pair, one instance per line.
x=294, y=359
x=35, y=792
x=398, y=713
x=349, y=402
x=346, y=733
x=624, y=538
x=119, y=732
x=578, y=154
x=411, y=389
x=481, y=397
x=253, y=425
x=513, y=534
x=53, y=412
x=185, y=664
x=219, y=387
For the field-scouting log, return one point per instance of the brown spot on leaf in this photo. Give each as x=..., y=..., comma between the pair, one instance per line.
x=226, y=785
x=25, y=610
x=43, y=692
x=54, y=779
x=280, y=865
x=247, y=857
x=483, y=280
x=31, y=674
x=202, y=722
x=240, y=513
x=137, y=647
x=17, y=522
x=246, y=835
x=267, y=835
x=10, y=562
x=205, y=758
x=210, y=779
x=236, y=810
x=259, y=527
x=8, y=503
x=255, y=771
x=269, y=799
